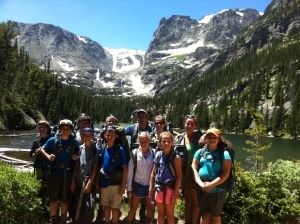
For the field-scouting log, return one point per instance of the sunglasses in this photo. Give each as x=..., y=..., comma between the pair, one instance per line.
x=109, y=127
x=191, y=117
x=159, y=123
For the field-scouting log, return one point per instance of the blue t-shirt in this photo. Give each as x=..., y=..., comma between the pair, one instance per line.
x=63, y=155
x=109, y=163
x=211, y=168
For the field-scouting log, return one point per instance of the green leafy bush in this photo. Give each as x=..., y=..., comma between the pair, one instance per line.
x=19, y=197
x=273, y=197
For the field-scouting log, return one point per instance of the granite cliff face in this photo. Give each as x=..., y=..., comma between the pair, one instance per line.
x=67, y=51
x=274, y=24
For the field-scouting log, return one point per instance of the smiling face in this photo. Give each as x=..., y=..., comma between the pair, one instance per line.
x=43, y=129
x=211, y=139
x=159, y=124
x=110, y=137
x=144, y=142
x=142, y=119
x=87, y=138
x=166, y=141
x=190, y=125
x=65, y=131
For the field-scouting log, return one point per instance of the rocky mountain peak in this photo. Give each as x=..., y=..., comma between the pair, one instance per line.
x=66, y=50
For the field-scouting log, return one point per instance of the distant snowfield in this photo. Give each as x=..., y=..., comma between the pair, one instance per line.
x=138, y=86
x=121, y=55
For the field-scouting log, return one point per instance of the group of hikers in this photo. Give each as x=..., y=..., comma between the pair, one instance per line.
x=78, y=163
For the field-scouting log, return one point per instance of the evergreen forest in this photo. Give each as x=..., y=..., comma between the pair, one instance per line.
x=267, y=79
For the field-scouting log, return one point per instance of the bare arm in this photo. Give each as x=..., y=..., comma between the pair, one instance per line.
x=152, y=180
x=195, y=166
x=73, y=185
x=124, y=179
x=91, y=179
x=178, y=169
x=50, y=157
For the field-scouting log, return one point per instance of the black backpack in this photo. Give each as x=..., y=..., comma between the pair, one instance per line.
x=229, y=183
x=134, y=137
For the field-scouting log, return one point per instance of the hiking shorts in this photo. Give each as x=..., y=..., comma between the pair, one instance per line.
x=140, y=190
x=110, y=196
x=211, y=203
x=56, y=188
x=159, y=196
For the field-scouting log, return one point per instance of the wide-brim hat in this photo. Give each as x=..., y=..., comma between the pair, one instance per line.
x=65, y=122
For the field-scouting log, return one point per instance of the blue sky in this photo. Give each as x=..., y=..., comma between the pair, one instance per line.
x=115, y=23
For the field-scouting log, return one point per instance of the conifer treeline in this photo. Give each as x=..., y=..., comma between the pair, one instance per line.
x=268, y=77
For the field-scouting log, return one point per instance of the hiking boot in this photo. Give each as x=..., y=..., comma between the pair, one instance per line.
x=148, y=220
x=63, y=219
x=54, y=219
x=69, y=220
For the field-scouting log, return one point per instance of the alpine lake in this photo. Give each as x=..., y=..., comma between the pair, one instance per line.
x=285, y=149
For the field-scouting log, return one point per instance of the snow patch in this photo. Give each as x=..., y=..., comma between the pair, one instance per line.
x=64, y=65
x=184, y=50
x=205, y=19
x=239, y=13
x=121, y=55
x=82, y=39
x=137, y=84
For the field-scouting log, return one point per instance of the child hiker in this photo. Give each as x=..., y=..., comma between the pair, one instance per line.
x=166, y=178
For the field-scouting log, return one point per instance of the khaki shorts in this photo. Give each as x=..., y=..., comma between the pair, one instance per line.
x=111, y=197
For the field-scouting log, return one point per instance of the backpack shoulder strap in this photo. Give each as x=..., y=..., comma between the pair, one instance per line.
x=134, y=160
x=170, y=160
x=56, y=143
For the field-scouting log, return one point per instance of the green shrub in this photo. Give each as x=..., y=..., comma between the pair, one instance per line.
x=180, y=208
x=273, y=197
x=19, y=197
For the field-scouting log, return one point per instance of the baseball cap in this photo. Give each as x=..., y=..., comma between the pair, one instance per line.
x=214, y=131
x=88, y=130
x=65, y=122
x=141, y=111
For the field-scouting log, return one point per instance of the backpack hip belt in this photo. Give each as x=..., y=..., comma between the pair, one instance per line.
x=163, y=186
x=62, y=166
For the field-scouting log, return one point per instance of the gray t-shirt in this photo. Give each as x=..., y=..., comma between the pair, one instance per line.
x=88, y=157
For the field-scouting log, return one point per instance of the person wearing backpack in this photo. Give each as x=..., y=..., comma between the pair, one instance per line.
x=164, y=185
x=43, y=136
x=83, y=121
x=160, y=125
x=141, y=125
x=83, y=178
x=210, y=172
x=138, y=179
x=191, y=140
x=61, y=151
x=113, y=175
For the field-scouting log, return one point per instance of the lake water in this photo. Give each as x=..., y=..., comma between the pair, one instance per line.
x=286, y=149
